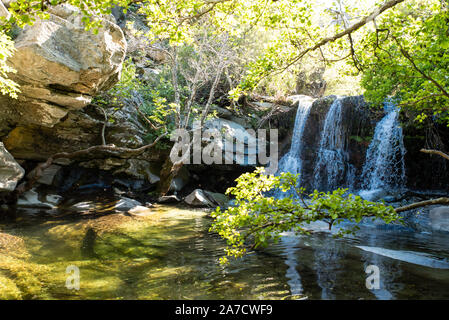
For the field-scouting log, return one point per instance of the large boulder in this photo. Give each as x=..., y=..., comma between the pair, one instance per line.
x=10, y=171
x=60, y=66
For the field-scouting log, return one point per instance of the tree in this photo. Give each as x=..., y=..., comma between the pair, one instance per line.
x=258, y=217
x=406, y=58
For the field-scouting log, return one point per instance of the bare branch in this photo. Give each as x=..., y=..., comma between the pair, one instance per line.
x=422, y=204
x=437, y=152
x=95, y=152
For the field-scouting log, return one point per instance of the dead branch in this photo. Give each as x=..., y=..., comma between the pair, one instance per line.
x=274, y=108
x=95, y=152
x=103, y=130
x=423, y=204
x=437, y=152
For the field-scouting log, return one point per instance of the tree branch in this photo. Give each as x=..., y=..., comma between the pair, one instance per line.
x=386, y=6
x=422, y=204
x=426, y=76
x=437, y=152
x=95, y=152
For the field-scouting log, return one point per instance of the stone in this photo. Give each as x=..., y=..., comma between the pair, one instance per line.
x=222, y=112
x=10, y=171
x=126, y=204
x=139, y=169
x=30, y=199
x=203, y=198
x=373, y=195
x=61, y=66
x=439, y=218
x=4, y=12
x=80, y=130
x=234, y=133
x=220, y=199
x=180, y=181
x=168, y=199
x=53, y=199
x=198, y=198
x=140, y=211
x=48, y=175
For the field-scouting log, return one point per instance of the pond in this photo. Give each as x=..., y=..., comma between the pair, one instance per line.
x=168, y=253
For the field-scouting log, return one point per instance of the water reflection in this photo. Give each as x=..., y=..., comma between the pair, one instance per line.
x=171, y=255
x=388, y=271
x=290, y=242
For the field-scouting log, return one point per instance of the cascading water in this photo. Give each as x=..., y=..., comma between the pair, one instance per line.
x=332, y=168
x=384, y=167
x=291, y=162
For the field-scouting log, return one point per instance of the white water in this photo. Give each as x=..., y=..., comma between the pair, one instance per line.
x=291, y=162
x=384, y=167
x=331, y=169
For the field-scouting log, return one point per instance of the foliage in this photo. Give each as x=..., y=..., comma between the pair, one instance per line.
x=25, y=12
x=258, y=218
x=7, y=86
x=407, y=58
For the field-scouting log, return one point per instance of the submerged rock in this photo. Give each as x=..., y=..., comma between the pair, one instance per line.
x=439, y=218
x=10, y=171
x=373, y=195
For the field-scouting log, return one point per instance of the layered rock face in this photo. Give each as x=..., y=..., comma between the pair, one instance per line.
x=60, y=67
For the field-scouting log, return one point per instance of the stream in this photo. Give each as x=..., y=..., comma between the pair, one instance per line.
x=168, y=253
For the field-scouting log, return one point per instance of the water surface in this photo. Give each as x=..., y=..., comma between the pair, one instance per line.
x=168, y=253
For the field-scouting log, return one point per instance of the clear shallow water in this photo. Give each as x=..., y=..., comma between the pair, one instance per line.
x=168, y=253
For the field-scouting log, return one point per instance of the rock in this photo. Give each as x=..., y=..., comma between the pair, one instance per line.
x=4, y=12
x=198, y=198
x=60, y=66
x=220, y=199
x=234, y=133
x=126, y=204
x=222, y=112
x=10, y=171
x=139, y=169
x=203, y=198
x=140, y=211
x=83, y=207
x=264, y=106
x=54, y=199
x=48, y=175
x=439, y=218
x=30, y=199
x=80, y=130
x=180, y=180
x=168, y=199
x=373, y=195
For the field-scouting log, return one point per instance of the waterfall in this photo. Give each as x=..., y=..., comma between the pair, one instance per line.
x=384, y=167
x=332, y=168
x=291, y=162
